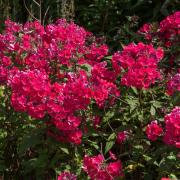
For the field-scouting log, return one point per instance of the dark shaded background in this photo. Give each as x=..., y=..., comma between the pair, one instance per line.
x=114, y=19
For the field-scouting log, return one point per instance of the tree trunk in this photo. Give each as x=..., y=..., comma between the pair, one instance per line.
x=67, y=9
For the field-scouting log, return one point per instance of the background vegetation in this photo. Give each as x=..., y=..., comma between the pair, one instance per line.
x=114, y=19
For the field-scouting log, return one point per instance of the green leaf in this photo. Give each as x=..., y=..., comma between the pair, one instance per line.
x=171, y=157
x=153, y=110
x=138, y=147
x=1, y=91
x=173, y=177
x=41, y=161
x=31, y=140
x=108, y=116
x=133, y=103
x=2, y=165
x=134, y=90
x=176, y=98
x=147, y=158
x=148, y=177
x=110, y=142
x=112, y=137
x=86, y=67
x=65, y=150
x=108, y=146
x=157, y=104
x=108, y=57
x=93, y=144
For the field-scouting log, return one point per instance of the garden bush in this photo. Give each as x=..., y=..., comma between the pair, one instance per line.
x=70, y=109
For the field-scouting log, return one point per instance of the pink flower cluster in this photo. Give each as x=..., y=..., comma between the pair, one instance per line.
x=64, y=101
x=103, y=86
x=139, y=63
x=44, y=68
x=173, y=84
x=147, y=31
x=96, y=168
x=153, y=131
x=62, y=43
x=121, y=137
x=167, y=31
x=30, y=91
x=66, y=176
x=172, y=128
x=5, y=63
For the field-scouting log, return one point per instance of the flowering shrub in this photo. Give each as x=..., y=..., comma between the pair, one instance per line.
x=167, y=34
x=172, y=136
x=65, y=104
x=29, y=92
x=140, y=65
x=42, y=85
x=167, y=31
x=96, y=168
x=153, y=130
x=173, y=84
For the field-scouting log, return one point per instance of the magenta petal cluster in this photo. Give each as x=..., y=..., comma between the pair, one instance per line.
x=139, y=63
x=121, y=137
x=30, y=89
x=172, y=128
x=173, y=84
x=153, y=131
x=167, y=31
x=67, y=176
x=147, y=31
x=44, y=67
x=98, y=169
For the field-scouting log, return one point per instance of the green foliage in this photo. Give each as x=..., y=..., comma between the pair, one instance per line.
x=117, y=20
